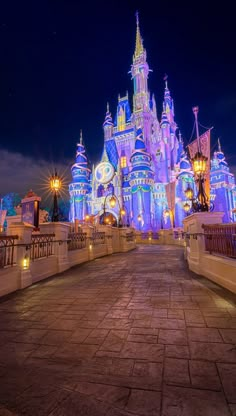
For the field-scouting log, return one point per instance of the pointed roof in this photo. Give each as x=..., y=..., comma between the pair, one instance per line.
x=79, y=169
x=139, y=42
x=140, y=159
x=108, y=118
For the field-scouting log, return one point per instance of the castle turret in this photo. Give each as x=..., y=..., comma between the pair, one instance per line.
x=222, y=185
x=184, y=180
x=141, y=180
x=79, y=187
x=108, y=125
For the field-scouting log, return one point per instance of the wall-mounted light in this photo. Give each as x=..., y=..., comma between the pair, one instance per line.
x=25, y=262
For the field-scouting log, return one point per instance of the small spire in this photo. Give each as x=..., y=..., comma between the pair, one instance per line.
x=108, y=110
x=81, y=137
x=166, y=79
x=139, y=42
x=219, y=145
x=180, y=137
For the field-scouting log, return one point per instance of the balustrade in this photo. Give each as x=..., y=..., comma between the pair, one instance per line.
x=7, y=249
x=220, y=239
x=42, y=245
x=77, y=241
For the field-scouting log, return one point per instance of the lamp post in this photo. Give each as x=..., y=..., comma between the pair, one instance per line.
x=199, y=162
x=55, y=185
x=121, y=209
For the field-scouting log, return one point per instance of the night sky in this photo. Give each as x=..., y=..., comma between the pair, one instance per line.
x=61, y=61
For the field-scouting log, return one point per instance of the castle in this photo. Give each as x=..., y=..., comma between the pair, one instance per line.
x=144, y=170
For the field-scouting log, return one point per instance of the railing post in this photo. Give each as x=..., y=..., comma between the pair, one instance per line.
x=61, y=231
x=24, y=232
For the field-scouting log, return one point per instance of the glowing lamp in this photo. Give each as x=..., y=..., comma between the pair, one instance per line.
x=25, y=262
x=55, y=183
x=112, y=201
x=189, y=193
x=122, y=211
x=87, y=217
x=186, y=207
x=199, y=162
x=166, y=213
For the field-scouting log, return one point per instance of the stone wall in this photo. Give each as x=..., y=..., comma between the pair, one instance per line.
x=27, y=270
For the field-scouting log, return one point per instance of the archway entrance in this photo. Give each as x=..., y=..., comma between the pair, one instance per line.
x=108, y=219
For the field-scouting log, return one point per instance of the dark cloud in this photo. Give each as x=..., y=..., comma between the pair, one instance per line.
x=19, y=173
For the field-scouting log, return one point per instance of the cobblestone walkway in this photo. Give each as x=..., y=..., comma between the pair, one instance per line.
x=128, y=334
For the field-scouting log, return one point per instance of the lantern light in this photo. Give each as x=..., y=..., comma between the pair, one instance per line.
x=166, y=213
x=55, y=183
x=199, y=162
x=186, y=207
x=189, y=193
x=25, y=262
x=139, y=218
x=112, y=201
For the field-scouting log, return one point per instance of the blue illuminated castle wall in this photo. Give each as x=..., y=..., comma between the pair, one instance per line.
x=141, y=156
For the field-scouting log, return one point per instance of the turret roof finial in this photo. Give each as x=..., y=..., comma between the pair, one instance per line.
x=166, y=79
x=180, y=137
x=81, y=137
x=219, y=145
x=139, y=42
x=108, y=110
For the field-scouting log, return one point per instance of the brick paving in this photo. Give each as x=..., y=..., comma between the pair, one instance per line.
x=128, y=334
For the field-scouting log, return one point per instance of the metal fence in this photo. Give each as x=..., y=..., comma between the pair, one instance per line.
x=220, y=239
x=150, y=236
x=42, y=245
x=7, y=250
x=77, y=241
x=130, y=237
x=98, y=237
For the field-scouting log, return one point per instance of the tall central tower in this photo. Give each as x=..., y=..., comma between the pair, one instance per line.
x=139, y=71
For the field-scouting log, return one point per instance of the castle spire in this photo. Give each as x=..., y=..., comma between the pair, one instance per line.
x=139, y=42
x=219, y=145
x=81, y=137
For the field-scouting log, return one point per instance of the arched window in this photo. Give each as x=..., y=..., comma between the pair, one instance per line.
x=110, y=189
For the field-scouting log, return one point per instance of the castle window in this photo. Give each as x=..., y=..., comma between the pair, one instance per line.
x=100, y=191
x=123, y=161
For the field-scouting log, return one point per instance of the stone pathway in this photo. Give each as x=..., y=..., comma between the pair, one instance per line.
x=128, y=334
